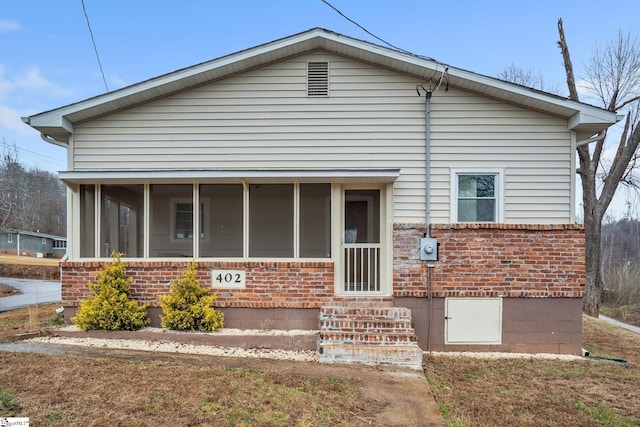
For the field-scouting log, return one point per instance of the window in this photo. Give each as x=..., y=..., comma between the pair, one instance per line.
x=271, y=220
x=10, y=238
x=171, y=224
x=476, y=196
x=225, y=222
x=315, y=220
x=121, y=220
x=87, y=220
x=232, y=220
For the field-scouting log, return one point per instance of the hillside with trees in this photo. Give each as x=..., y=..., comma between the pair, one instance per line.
x=31, y=199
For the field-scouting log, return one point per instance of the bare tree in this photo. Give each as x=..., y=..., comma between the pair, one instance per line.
x=31, y=199
x=526, y=77
x=614, y=79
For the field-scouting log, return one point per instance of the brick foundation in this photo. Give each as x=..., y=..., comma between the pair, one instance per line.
x=268, y=284
x=537, y=269
x=529, y=325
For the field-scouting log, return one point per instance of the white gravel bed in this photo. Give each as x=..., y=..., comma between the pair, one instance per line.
x=223, y=331
x=497, y=355
x=174, y=347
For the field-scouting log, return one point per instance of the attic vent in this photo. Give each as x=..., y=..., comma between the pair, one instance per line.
x=318, y=79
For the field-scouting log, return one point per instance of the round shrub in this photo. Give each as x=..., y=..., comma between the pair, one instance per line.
x=188, y=306
x=110, y=308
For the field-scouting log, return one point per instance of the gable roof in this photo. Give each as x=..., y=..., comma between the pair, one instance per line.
x=57, y=125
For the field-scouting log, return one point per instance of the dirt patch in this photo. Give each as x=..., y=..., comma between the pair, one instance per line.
x=38, y=272
x=40, y=318
x=24, y=267
x=7, y=291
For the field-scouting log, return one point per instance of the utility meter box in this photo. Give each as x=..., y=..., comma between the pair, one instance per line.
x=428, y=249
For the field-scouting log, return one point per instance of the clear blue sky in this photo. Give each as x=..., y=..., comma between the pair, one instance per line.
x=47, y=59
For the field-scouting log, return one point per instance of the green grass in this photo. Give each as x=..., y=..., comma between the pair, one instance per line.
x=8, y=400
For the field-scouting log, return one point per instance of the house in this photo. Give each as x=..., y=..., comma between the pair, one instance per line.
x=318, y=172
x=32, y=243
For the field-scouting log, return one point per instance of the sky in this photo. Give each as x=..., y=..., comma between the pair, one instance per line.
x=47, y=59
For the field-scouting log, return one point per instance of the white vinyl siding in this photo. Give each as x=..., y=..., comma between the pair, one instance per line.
x=372, y=118
x=533, y=150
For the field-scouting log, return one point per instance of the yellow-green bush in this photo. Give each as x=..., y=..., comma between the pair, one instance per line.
x=188, y=306
x=111, y=308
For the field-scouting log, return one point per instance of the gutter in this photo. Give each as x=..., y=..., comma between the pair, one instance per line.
x=46, y=138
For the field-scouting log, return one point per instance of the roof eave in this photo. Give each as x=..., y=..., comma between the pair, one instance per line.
x=58, y=123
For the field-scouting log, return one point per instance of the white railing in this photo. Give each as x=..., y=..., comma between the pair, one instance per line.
x=362, y=267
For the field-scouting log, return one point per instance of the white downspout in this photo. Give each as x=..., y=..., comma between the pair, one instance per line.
x=592, y=139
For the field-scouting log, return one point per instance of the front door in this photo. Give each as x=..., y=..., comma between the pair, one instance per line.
x=361, y=247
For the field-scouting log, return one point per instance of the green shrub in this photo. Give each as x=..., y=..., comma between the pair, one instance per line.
x=188, y=306
x=111, y=308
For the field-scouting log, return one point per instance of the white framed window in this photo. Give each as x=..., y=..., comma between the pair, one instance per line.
x=10, y=238
x=182, y=219
x=477, y=195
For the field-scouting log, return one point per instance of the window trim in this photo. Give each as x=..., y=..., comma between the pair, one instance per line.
x=499, y=191
x=204, y=205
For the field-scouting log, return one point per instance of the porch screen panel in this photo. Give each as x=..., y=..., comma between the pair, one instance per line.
x=315, y=221
x=224, y=221
x=121, y=228
x=87, y=220
x=271, y=220
x=171, y=220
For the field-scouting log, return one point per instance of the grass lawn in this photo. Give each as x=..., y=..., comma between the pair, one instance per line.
x=536, y=392
x=27, y=260
x=146, y=391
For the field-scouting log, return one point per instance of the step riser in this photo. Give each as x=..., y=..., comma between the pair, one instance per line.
x=369, y=333
x=410, y=357
x=368, y=313
x=364, y=325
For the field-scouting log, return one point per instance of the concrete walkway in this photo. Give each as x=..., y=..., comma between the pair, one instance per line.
x=32, y=292
x=620, y=324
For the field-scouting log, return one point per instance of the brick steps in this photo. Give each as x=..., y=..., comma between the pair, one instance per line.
x=370, y=332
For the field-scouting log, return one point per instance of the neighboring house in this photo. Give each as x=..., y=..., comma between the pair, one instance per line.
x=32, y=243
x=301, y=175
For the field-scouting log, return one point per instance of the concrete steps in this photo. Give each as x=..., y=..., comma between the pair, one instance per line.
x=368, y=332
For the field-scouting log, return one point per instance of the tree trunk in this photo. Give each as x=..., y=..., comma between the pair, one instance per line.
x=593, y=284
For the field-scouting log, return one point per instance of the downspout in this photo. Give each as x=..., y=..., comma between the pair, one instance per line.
x=51, y=140
x=427, y=166
x=428, y=246
x=427, y=158
x=592, y=139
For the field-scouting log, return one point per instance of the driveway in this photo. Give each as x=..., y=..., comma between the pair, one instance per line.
x=32, y=292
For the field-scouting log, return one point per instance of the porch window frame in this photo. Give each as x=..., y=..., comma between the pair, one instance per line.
x=196, y=221
x=498, y=192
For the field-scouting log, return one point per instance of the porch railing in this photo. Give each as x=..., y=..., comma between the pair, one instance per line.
x=362, y=267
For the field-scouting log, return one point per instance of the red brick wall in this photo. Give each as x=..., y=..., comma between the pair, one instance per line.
x=269, y=284
x=492, y=260
x=475, y=260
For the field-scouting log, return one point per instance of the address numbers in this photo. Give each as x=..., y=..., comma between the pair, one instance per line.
x=228, y=279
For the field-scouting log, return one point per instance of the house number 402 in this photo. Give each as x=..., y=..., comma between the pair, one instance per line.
x=228, y=278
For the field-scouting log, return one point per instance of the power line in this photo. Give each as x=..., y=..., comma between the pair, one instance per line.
x=364, y=29
x=84, y=9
